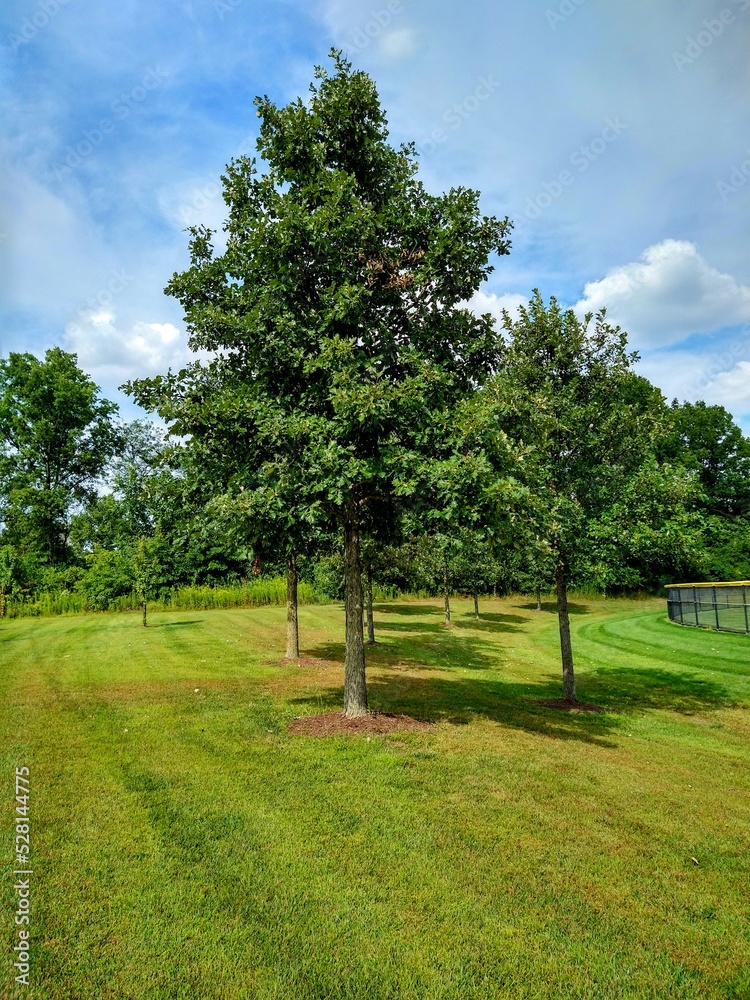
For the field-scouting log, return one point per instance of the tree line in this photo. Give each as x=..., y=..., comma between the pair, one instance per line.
x=356, y=424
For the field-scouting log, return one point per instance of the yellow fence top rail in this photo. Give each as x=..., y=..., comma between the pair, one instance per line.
x=683, y=586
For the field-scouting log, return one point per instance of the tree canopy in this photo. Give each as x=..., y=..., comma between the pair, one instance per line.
x=56, y=437
x=706, y=439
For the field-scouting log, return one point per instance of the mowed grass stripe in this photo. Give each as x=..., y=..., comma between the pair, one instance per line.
x=508, y=853
x=652, y=636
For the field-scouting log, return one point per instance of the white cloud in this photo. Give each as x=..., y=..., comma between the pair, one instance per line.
x=717, y=371
x=671, y=293
x=113, y=355
x=731, y=389
x=487, y=302
x=718, y=376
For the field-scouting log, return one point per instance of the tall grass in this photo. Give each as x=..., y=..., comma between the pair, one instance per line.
x=45, y=605
x=247, y=594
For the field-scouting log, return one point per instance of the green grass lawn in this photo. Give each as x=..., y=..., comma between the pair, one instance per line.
x=186, y=845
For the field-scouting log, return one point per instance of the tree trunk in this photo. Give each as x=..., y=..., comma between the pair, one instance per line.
x=292, y=620
x=2, y=600
x=476, y=606
x=368, y=609
x=144, y=608
x=538, y=598
x=446, y=596
x=563, y=621
x=355, y=682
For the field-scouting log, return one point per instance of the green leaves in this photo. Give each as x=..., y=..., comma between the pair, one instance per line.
x=706, y=440
x=589, y=430
x=343, y=349
x=56, y=436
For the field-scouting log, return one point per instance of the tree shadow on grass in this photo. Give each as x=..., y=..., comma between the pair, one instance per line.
x=632, y=689
x=196, y=621
x=487, y=622
x=508, y=703
x=551, y=606
x=458, y=701
x=407, y=609
x=439, y=628
x=429, y=647
x=434, y=627
x=493, y=616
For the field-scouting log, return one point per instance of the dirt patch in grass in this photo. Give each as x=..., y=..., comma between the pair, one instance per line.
x=575, y=707
x=337, y=724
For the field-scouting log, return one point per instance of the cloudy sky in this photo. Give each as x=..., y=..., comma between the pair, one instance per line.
x=615, y=134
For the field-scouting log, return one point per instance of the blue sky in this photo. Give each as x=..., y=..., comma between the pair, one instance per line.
x=616, y=135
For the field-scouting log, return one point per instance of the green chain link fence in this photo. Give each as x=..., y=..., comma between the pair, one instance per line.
x=721, y=606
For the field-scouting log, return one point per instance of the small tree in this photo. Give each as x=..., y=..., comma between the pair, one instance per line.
x=272, y=524
x=568, y=394
x=463, y=498
x=476, y=569
x=144, y=566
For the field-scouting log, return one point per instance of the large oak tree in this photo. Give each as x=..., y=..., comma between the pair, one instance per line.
x=335, y=313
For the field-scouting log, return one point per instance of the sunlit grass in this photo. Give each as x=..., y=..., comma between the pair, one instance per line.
x=187, y=846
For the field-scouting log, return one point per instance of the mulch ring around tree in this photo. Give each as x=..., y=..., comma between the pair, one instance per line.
x=574, y=707
x=337, y=724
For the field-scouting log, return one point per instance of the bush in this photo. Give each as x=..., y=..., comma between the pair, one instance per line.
x=109, y=576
